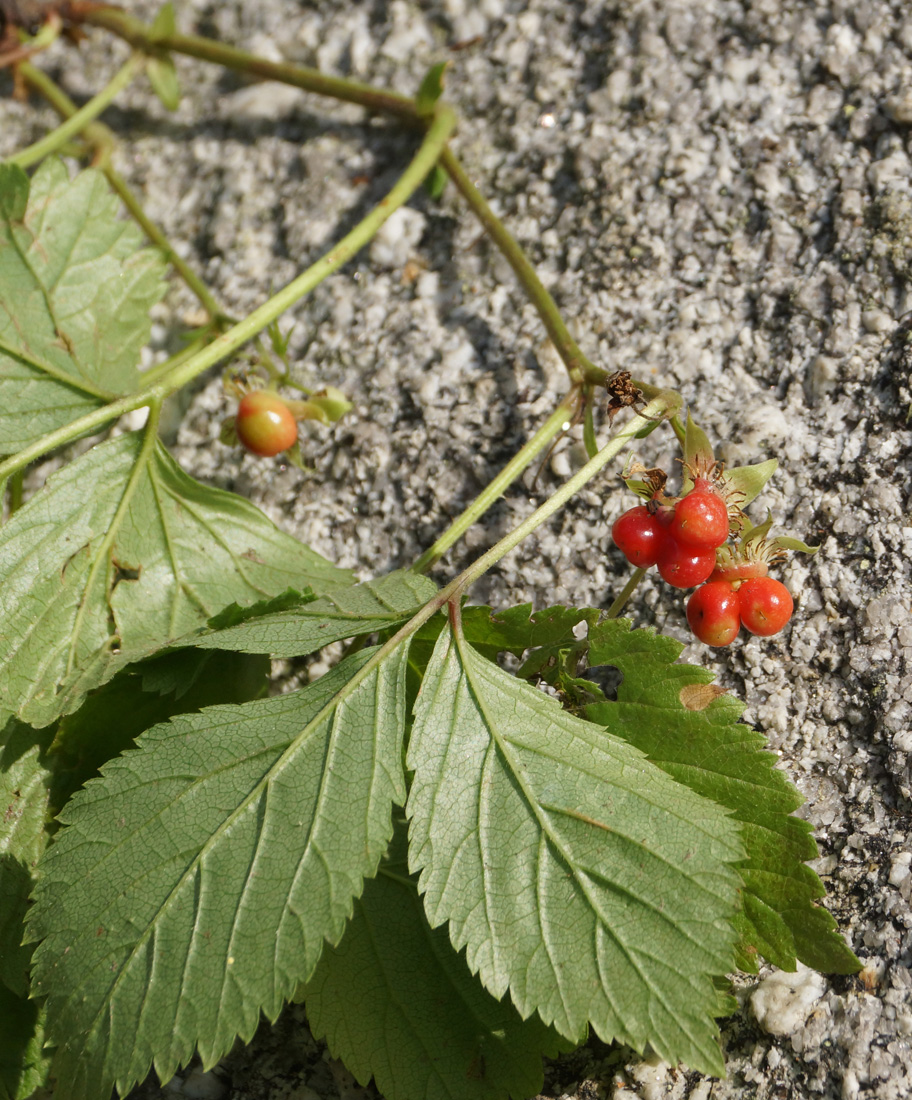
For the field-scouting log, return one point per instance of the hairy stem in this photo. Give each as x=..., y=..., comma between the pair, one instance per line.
x=629, y=588
x=224, y=345
x=555, y=424
x=578, y=366
x=140, y=36
x=103, y=141
x=80, y=119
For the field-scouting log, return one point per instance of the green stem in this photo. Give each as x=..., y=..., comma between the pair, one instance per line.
x=102, y=140
x=523, y=458
x=660, y=407
x=141, y=37
x=82, y=117
x=578, y=366
x=220, y=348
x=629, y=588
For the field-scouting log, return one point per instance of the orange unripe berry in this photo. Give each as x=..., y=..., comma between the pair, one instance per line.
x=265, y=424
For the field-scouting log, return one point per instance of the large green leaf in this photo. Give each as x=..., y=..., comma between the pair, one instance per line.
x=196, y=882
x=672, y=713
x=75, y=295
x=577, y=875
x=304, y=627
x=120, y=553
x=397, y=1003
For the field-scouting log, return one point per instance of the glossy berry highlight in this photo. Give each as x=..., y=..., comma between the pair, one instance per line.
x=766, y=605
x=639, y=536
x=684, y=566
x=714, y=613
x=264, y=423
x=700, y=520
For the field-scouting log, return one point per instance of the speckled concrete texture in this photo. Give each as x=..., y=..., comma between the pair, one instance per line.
x=719, y=195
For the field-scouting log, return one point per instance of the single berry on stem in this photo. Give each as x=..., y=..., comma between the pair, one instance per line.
x=766, y=605
x=700, y=520
x=684, y=566
x=639, y=536
x=264, y=423
x=713, y=612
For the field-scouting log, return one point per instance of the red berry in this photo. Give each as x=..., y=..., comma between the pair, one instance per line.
x=264, y=423
x=639, y=536
x=700, y=520
x=766, y=605
x=684, y=566
x=713, y=612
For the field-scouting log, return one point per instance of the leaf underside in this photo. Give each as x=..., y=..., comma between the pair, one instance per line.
x=75, y=295
x=305, y=627
x=714, y=754
x=120, y=553
x=576, y=875
x=196, y=881
x=397, y=1003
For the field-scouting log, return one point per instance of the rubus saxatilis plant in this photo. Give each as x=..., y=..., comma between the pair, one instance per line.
x=494, y=869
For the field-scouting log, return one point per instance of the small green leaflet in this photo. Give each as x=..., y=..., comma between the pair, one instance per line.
x=298, y=627
x=577, y=876
x=75, y=295
x=197, y=880
x=694, y=734
x=395, y=1002
x=120, y=553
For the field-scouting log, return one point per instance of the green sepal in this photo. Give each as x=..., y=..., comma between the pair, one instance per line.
x=164, y=23
x=431, y=90
x=696, y=446
x=786, y=542
x=749, y=480
x=163, y=78
x=436, y=182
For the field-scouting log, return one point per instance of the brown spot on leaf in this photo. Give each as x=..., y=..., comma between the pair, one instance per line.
x=699, y=696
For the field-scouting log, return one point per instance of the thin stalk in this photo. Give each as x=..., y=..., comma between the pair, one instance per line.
x=578, y=366
x=224, y=345
x=660, y=407
x=628, y=590
x=141, y=37
x=103, y=140
x=492, y=492
x=82, y=117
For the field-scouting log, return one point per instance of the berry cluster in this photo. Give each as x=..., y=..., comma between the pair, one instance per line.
x=685, y=539
x=719, y=608
x=680, y=538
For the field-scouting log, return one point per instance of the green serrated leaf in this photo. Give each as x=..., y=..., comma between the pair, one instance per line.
x=25, y=781
x=163, y=78
x=344, y=613
x=430, y=90
x=674, y=714
x=697, y=447
x=118, y=555
x=24, y=1064
x=75, y=295
x=577, y=875
x=196, y=882
x=421, y=1025
x=749, y=480
x=14, y=193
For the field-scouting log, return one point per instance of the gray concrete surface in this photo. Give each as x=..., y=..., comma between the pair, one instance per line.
x=719, y=194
